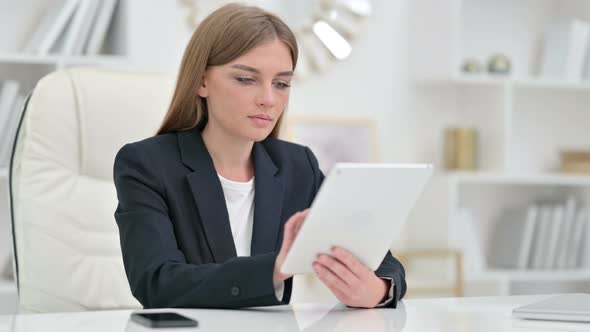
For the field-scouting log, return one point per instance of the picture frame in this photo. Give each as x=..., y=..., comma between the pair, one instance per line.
x=334, y=138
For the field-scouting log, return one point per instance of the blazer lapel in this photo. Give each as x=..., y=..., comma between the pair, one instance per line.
x=268, y=198
x=208, y=194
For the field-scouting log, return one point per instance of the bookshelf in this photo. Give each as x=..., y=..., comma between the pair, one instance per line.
x=523, y=120
x=22, y=62
x=57, y=34
x=578, y=275
x=61, y=60
x=504, y=82
x=51, y=35
x=556, y=179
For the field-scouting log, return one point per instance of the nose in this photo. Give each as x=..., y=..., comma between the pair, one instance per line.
x=266, y=97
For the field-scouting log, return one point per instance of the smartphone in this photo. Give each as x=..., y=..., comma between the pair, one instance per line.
x=163, y=319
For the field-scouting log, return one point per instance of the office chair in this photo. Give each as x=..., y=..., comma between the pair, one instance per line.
x=66, y=243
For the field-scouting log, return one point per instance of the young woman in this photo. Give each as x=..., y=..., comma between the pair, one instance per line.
x=209, y=207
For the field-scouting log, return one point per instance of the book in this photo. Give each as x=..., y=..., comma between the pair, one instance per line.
x=48, y=19
x=566, y=233
x=528, y=236
x=8, y=98
x=51, y=27
x=541, y=238
x=581, y=240
x=78, y=30
x=555, y=227
x=565, y=50
x=101, y=26
x=11, y=129
x=511, y=238
x=584, y=258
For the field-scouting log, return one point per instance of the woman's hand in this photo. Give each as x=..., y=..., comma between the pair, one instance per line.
x=292, y=227
x=352, y=282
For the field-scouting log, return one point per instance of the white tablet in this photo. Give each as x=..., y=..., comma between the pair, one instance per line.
x=359, y=207
x=568, y=307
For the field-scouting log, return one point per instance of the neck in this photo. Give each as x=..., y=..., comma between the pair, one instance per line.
x=232, y=156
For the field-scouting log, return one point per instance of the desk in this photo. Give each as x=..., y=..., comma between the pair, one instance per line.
x=453, y=314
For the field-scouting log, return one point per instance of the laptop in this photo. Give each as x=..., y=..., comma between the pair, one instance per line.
x=568, y=307
x=360, y=207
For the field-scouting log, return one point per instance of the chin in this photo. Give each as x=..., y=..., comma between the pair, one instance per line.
x=260, y=138
x=258, y=135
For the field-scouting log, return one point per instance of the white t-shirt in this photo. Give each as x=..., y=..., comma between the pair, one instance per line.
x=239, y=199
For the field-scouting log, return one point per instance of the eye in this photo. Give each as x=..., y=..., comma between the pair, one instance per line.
x=282, y=85
x=245, y=80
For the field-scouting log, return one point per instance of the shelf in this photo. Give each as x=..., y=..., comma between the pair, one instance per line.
x=503, y=81
x=523, y=121
x=27, y=59
x=53, y=59
x=532, y=275
x=526, y=179
x=551, y=84
x=475, y=79
x=92, y=59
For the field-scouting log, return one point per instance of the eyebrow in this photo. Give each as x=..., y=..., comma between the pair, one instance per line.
x=254, y=70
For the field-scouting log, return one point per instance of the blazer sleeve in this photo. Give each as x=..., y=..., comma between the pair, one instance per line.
x=393, y=270
x=157, y=271
x=390, y=267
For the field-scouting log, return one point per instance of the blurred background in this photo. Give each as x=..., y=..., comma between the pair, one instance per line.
x=494, y=93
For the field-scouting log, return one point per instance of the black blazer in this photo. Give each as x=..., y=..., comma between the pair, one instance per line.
x=174, y=228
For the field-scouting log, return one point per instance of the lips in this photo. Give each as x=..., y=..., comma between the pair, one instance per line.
x=262, y=117
x=261, y=120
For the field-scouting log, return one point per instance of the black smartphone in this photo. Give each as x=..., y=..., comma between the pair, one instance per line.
x=163, y=319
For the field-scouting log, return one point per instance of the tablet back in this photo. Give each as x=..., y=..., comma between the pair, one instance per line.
x=360, y=207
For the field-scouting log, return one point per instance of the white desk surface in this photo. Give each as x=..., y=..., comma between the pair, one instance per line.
x=451, y=314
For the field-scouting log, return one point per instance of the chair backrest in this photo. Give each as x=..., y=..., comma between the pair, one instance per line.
x=67, y=250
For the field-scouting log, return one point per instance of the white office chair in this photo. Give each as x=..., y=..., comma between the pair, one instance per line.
x=67, y=250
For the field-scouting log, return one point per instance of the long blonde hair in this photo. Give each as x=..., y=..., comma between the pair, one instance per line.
x=224, y=35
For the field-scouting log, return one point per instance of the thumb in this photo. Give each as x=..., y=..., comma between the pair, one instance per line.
x=292, y=228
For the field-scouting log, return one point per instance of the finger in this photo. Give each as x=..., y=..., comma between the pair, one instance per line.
x=343, y=297
x=291, y=224
x=300, y=220
x=330, y=279
x=339, y=269
x=353, y=264
x=292, y=227
x=289, y=229
x=299, y=225
x=292, y=219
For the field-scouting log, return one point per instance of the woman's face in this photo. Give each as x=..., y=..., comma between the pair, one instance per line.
x=246, y=97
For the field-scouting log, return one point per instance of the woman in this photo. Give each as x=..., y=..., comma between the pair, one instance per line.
x=209, y=207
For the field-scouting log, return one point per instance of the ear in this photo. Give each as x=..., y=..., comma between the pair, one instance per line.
x=202, y=89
